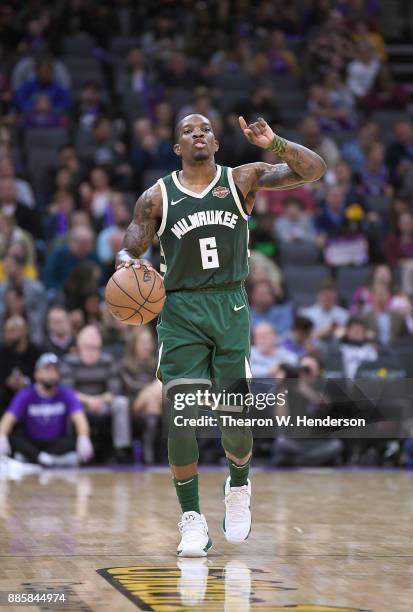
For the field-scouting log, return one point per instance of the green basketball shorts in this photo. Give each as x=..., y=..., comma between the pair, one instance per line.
x=204, y=336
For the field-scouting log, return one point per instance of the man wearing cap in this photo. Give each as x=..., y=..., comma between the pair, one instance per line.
x=43, y=412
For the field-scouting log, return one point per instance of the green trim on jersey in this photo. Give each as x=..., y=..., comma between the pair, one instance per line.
x=203, y=236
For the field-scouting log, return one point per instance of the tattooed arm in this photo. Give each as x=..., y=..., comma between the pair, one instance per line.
x=301, y=165
x=143, y=227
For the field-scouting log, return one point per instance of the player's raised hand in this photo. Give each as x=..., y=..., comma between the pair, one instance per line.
x=258, y=133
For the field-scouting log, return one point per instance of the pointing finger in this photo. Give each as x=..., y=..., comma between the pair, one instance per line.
x=242, y=123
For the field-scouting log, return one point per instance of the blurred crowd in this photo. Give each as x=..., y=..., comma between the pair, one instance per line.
x=89, y=95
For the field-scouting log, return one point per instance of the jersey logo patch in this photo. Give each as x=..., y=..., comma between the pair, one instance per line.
x=220, y=192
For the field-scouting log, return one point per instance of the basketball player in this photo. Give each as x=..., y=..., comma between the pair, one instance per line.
x=200, y=215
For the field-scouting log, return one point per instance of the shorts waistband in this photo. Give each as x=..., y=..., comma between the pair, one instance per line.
x=217, y=288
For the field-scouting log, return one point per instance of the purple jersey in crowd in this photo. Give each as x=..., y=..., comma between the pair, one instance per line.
x=44, y=418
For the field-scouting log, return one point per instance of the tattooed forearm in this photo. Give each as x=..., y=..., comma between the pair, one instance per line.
x=143, y=227
x=139, y=237
x=303, y=162
x=300, y=166
x=279, y=176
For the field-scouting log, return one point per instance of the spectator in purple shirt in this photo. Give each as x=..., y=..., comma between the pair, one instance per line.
x=44, y=411
x=43, y=84
x=43, y=115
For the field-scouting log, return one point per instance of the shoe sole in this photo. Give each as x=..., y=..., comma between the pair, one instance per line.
x=195, y=552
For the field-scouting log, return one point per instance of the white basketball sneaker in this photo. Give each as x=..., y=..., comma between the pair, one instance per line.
x=195, y=540
x=237, y=520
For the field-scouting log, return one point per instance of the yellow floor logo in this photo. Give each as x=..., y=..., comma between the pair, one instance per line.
x=194, y=585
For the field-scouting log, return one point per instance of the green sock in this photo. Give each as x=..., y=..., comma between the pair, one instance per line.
x=238, y=473
x=187, y=492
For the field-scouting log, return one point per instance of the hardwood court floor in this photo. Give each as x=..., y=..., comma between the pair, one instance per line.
x=321, y=540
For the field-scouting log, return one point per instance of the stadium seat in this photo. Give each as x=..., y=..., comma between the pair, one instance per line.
x=77, y=46
x=84, y=142
x=121, y=45
x=299, y=253
x=232, y=100
x=332, y=363
x=387, y=118
x=387, y=366
x=292, y=116
x=133, y=106
x=384, y=382
x=179, y=98
x=233, y=81
x=292, y=100
x=403, y=349
x=349, y=278
x=38, y=161
x=83, y=70
x=50, y=138
x=285, y=82
x=302, y=283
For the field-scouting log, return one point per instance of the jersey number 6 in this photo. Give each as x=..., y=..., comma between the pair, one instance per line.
x=209, y=253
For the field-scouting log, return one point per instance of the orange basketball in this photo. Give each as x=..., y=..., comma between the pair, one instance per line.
x=135, y=295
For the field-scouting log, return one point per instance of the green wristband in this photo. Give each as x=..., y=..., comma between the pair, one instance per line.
x=278, y=145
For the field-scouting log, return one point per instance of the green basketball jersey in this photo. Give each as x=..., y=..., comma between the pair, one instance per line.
x=203, y=236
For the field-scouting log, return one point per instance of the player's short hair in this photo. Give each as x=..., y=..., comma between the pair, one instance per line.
x=178, y=126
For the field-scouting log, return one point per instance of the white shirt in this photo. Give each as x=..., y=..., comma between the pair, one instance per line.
x=323, y=318
x=360, y=76
x=261, y=365
x=24, y=193
x=354, y=355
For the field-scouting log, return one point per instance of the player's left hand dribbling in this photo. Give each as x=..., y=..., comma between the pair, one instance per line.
x=135, y=263
x=258, y=133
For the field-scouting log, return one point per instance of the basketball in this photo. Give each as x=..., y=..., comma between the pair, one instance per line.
x=135, y=295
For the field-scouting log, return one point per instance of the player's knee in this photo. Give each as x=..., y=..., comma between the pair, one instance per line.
x=237, y=441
